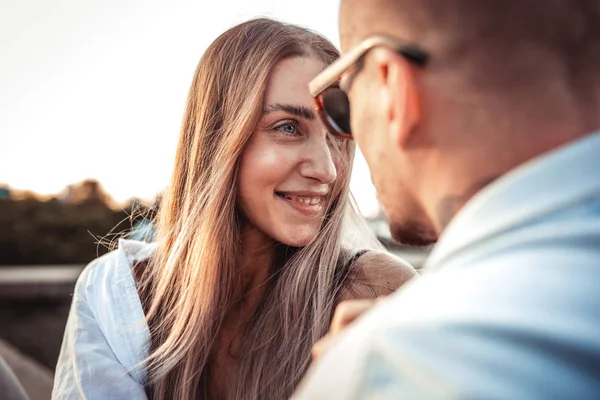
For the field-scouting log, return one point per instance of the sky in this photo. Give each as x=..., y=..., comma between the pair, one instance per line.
x=96, y=89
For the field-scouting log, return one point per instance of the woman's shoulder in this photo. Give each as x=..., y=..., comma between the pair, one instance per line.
x=376, y=273
x=109, y=279
x=116, y=264
x=106, y=321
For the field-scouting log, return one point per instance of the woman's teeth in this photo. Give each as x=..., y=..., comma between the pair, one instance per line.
x=309, y=201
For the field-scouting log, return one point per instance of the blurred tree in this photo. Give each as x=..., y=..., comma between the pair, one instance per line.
x=74, y=228
x=87, y=192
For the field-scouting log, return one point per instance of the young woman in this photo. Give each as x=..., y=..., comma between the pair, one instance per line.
x=251, y=256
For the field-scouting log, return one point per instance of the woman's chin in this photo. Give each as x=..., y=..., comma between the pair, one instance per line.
x=295, y=242
x=299, y=239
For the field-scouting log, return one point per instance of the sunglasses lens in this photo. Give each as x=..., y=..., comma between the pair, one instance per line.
x=337, y=109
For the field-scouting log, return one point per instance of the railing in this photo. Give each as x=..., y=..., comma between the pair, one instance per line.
x=39, y=281
x=57, y=281
x=415, y=257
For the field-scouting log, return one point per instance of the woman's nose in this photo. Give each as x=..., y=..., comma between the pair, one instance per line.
x=318, y=161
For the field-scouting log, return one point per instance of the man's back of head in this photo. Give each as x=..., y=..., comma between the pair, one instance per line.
x=506, y=81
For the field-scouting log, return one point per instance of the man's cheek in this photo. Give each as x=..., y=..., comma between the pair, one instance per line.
x=359, y=123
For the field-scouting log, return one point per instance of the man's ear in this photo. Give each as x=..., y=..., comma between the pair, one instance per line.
x=400, y=97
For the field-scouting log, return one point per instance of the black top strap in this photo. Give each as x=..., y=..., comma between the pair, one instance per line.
x=344, y=271
x=355, y=257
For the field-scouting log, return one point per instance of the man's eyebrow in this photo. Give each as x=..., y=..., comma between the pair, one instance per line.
x=299, y=111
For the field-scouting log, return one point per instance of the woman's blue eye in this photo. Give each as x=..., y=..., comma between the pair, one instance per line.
x=289, y=128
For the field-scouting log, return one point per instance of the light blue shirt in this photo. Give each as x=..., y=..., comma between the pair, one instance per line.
x=106, y=337
x=509, y=307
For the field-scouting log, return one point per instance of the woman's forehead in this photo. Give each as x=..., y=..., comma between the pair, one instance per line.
x=289, y=80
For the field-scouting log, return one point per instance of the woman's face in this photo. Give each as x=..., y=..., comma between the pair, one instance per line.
x=289, y=167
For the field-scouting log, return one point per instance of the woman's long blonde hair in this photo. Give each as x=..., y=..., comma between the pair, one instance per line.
x=194, y=276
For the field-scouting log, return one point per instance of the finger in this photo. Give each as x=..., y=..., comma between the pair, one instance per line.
x=322, y=345
x=347, y=311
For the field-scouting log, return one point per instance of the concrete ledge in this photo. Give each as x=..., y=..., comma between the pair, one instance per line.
x=35, y=378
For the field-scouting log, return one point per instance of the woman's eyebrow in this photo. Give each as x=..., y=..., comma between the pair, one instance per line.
x=297, y=110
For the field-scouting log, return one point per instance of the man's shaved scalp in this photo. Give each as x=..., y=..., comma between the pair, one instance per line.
x=505, y=39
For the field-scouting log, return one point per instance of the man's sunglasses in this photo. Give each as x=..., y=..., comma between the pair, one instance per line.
x=332, y=101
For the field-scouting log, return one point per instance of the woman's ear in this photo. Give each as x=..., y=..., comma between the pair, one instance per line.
x=400, y=96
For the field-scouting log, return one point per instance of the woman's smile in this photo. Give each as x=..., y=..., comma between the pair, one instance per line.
x=311, y=204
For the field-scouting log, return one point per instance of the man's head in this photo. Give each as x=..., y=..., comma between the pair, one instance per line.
x=505, y=81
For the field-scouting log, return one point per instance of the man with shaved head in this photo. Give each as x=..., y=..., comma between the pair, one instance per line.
x=480, y=122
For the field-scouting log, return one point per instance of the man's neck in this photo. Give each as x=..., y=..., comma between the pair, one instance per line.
x=450, y=204
x=474, y=173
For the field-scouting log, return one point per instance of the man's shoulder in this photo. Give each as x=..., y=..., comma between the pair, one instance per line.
x=444, y=332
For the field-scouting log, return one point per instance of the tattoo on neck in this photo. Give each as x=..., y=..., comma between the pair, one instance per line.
x=449, y=205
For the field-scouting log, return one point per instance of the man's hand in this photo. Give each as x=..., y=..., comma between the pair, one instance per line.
x=345, y=313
